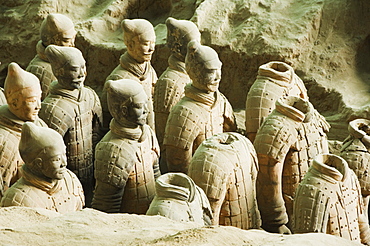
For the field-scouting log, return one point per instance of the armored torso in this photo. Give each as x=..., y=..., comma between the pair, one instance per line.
x=75, y=115
x=126, y=165
x=168, y=91
x=41, y=67
x=10, y=135
x=274, y=80
x=225, y=166
x=285, y=144
x=66, y=195
x=195, y=118
x=328, y=200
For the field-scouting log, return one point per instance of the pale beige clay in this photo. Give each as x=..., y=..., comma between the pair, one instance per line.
x=169, y=88
x=55, y=29
x=201, y=113
x=356, y=151
x=225, y=166
x=23, y=94
x=328, y=200
x=74, y=111
x=287, y=141
x=274, y=80
x=126, y=159
x=179, y=198
x=46, y=182
x=139, y=38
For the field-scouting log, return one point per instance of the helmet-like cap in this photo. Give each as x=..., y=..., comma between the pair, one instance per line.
x=18, y=79
x=202, y=55
x=59, y=56
x=186, y=29
x=35, y=138
x=137, y=27
x=122, y=90
x=53, y=25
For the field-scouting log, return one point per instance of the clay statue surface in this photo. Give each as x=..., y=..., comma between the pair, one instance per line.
x=356, y=151
x=169, y=88
x=225, y=166
x=328, y=200
x=179, y=198
x=274, y=80
x=45, y=182
x=139, y=38
x=201, y=113
x=23, y=95
x=126, y=159
x=56, y=29
x=74, y=111
x=290, y=137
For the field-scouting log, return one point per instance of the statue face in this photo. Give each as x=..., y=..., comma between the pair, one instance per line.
x=209, y=80
x=142, y=47
x=55, y=164
x=28, y=104
x=137, y=112
x=74, y=74
x=67, y=38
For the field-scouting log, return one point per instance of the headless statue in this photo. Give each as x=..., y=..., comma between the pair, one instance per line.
x=179, y=198
x=201, y=113
x=126, y=159
x=274, y=80
x=287, y=141
x=74, y=111
x=139, y=38
x=56, y=29
x=225, y=166
x=356, y=151
x=45, y=182
x=328, y=200
x=23, y=95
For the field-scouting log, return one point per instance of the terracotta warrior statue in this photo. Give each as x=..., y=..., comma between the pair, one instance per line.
x=56, y=29
x=356, y=151
x=201, y=113
x=126, y=159
x=225, y=166
x=287, y=141
x=328, y=200
x=45, y=182
x=169, y=88
x=23, y=94
x=139, y=38
x=274, y=80
x=74, y=111
x=179, y=198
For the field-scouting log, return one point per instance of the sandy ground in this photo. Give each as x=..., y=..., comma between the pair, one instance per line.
x=26, y=226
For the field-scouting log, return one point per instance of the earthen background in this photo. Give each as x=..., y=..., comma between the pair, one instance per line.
x=326, y=41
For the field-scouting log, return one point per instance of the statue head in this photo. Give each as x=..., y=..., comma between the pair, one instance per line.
x=139, y=37
x=59, y=30
x=68, y=66
x=43, y=151
x=127, y=101
x=23, y=93
x=203, y=66
x=179, y=34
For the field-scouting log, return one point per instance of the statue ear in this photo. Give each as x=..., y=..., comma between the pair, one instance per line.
x=38, y=163
x=124, y=110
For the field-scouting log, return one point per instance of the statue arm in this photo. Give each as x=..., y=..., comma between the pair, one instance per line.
x=107, y=197
x=269, y=194
x=229, y=117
